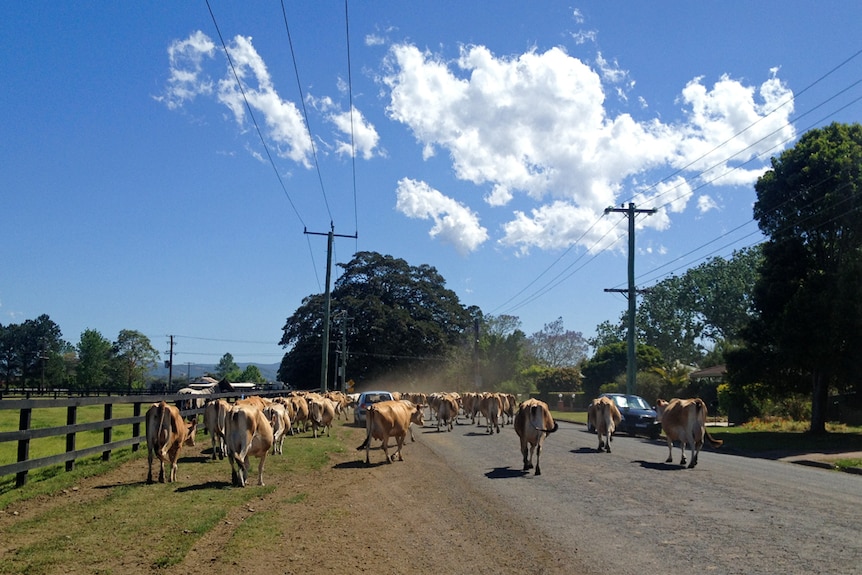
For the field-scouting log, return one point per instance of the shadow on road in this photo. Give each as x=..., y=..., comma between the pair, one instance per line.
x=505, y=473
x=659, y=466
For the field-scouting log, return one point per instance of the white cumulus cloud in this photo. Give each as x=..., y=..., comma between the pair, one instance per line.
x=536, y=125
x=454, y=223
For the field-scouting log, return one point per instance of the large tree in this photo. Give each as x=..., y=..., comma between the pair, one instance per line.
x=134, y=356
x=94, y=361
x=611, y=361
x=403, y=319
x=502, y=351
x=228, y=369
x=807, y=331
x=554, y=346
x=31, y=351
x=710, y=303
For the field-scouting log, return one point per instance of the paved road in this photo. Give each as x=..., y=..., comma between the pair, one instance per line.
x=634, y=514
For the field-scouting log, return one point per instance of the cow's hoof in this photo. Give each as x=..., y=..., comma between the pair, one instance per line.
x=669, y=460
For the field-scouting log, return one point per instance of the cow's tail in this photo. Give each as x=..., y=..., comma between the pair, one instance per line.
x=700, y=407
x=367, y=429
x=712, y=441
x=164, y=429
x=533, y=411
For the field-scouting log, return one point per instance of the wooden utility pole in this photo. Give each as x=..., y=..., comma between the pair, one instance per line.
x=324, y=365
x=631, y=293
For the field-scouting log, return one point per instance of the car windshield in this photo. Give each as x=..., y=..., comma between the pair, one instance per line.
x=373, y=398
x=630, y=401
x=638, y=402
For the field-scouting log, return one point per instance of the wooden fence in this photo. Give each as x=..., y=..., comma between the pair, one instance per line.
x=25, y=433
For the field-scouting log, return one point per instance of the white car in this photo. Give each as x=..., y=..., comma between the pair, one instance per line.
x=366, y=398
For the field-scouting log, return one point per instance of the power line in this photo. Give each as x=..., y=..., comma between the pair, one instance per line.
x=305, y=111
x=352, y=136
x=251, y=115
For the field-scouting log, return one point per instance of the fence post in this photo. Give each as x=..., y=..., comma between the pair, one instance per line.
x=24, y=419
x=136, y=427
x=108, y=432
x=71, y=419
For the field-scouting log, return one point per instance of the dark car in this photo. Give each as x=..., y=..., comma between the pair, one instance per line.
x=365, y=399
x=638, y=417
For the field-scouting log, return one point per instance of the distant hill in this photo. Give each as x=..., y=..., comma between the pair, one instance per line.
x=268, y=370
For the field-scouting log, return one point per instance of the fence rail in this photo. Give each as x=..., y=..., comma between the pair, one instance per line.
x=25, y=433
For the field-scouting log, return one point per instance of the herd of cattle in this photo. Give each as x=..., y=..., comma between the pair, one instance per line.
x=256, y=426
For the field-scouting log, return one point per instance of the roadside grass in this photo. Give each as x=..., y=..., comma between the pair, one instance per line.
x=54, y=479
x=773, y=435
x=56, y=417
x=97, y=535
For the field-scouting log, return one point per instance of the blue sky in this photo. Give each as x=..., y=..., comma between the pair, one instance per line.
x=487, y=140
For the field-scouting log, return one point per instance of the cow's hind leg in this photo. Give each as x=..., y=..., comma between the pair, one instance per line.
x=695, y=451
x=149, y=466
x=669, y=451
x=400, y=441
x=538, y=455
x=527, y=464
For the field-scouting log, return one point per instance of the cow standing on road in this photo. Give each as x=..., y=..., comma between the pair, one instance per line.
x=603, y=415
x=533, y=423
x=387, y=419
x=684, y=420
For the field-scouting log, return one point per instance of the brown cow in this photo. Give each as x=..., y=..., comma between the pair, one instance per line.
x=387, y=419
x=300, y=412
x=684, y=420
x=214, y=415
x=321, y=413
x=491, y=406
x=247, y=433
x=276, y=413
x=533, y=423
x=603, y=415
x=446, y=411
x=166, y=434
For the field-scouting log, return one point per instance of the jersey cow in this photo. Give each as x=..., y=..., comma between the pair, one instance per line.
x=604, y=416
x=447, y=411
x=166, y=434
x=684, y=420
x=533, y=423
x=491, y=406
x=387, y=419
x=215, y=412
x=247, y=433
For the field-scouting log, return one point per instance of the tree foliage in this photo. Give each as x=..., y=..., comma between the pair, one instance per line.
x=611, y=361
x=807, y=329
x=502, y=351
x=134, y=356
x=709, y=303
x=32, y=353
x=94, y=361
x=228, y=369
x=403, y=319
x=557, y=347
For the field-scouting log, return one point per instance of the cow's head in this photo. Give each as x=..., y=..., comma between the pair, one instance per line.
x=417, y=416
